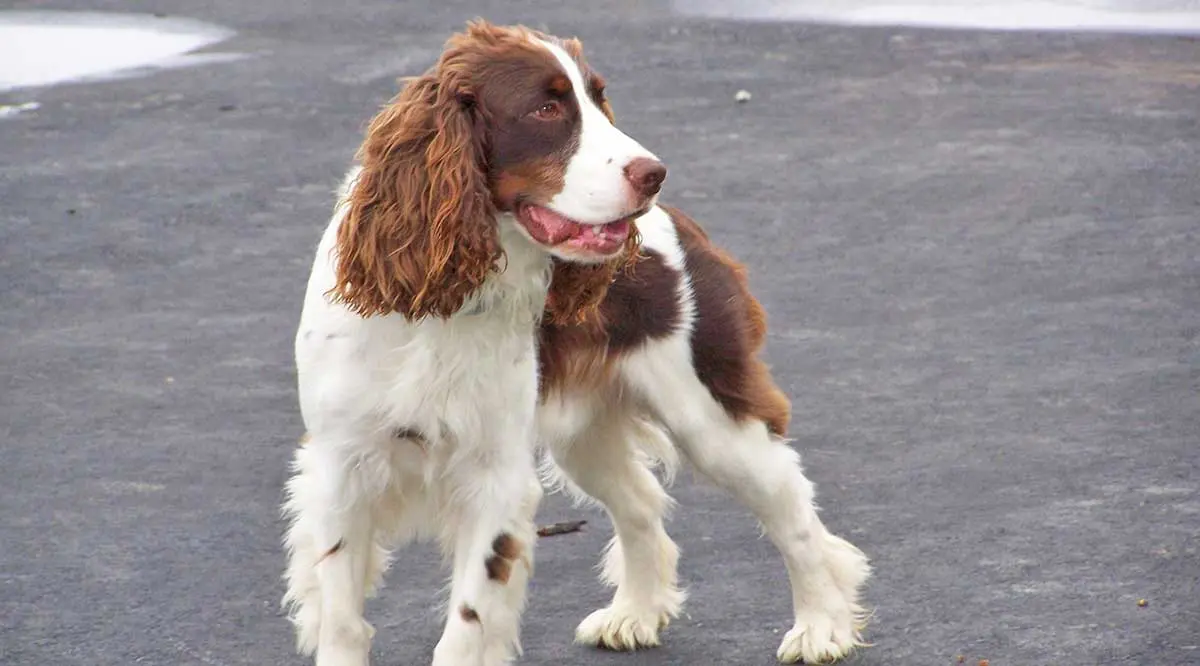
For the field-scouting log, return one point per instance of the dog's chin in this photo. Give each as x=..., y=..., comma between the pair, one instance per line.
x=587, y=259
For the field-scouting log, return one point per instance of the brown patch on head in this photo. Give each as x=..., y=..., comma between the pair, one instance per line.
x=729, y=332
x=573, y=47
x=641, y=304
x=595, y=82
x=577, y=290
x=535, y=179
x=527, y=152
x=529, y=161
x=559, y=85
x=467, y=613
x=596, y=88
x=457, y=145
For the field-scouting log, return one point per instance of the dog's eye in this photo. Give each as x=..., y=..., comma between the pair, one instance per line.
x=551, y=110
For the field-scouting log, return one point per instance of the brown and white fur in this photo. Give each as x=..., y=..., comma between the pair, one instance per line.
x=669, y=362
x=480, y=290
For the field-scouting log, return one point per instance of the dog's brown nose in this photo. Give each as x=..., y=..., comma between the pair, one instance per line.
x=646, y=175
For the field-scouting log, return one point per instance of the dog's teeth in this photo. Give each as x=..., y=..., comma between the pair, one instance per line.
x=597, y=228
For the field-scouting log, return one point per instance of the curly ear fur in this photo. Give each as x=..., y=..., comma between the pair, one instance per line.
x=420, y=233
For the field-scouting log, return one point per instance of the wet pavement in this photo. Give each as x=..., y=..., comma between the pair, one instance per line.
x=980, y=252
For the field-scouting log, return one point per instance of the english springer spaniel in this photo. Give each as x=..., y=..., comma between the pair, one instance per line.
x=496, y=276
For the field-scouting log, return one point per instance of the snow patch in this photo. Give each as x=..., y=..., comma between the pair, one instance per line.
x=1181, y=17
x=10, y=110
x=45, y=48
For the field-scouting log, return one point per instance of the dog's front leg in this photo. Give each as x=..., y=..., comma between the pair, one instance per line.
x=331, y=546
x=490, y=531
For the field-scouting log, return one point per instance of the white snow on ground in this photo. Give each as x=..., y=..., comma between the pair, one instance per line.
x=10, y=110
x=45, y=48
x=1139, y=16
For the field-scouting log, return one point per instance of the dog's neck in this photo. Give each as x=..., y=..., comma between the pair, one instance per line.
x=517, y=289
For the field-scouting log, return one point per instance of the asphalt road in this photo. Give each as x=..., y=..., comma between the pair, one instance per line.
x=980, y=253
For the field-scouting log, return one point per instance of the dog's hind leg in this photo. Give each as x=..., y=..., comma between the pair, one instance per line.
x=763, y=473
x=605, y=463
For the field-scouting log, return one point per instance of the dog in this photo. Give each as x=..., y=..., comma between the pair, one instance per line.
x=497, y=277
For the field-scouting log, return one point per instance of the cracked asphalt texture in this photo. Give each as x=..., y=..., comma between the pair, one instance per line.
x=980, y=253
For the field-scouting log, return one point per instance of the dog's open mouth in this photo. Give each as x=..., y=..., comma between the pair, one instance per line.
x=549, y=228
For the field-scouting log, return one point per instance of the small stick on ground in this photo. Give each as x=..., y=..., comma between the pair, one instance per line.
x=554, y=529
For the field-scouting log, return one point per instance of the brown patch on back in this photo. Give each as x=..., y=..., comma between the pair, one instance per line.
x=468, y=614
x=640, y=305
x=577, y=290
x=729, y=331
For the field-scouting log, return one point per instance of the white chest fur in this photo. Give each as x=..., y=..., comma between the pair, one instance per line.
x=442, y=377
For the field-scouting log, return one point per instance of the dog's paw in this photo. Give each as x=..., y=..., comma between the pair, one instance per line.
x=452, y=652
x=819, y=638
x=620, y=627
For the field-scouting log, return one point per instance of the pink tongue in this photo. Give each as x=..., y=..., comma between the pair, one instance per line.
x=550, y=228
x=607, y=239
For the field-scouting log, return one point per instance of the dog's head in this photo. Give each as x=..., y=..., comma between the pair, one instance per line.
x=510, y=126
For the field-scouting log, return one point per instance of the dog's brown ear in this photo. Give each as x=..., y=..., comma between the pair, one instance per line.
x=419, y=234
x=607, y=110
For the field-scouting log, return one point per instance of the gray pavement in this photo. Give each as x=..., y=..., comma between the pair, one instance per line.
x=980, y=253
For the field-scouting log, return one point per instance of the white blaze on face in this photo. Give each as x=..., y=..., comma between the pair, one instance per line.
x=595, y=190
